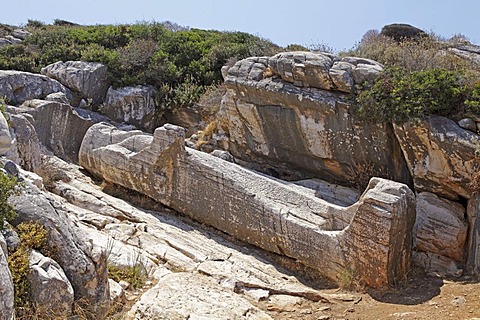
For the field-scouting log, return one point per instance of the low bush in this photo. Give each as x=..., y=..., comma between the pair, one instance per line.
x=32, y=236
x=399, y=95
x=180, y=62
x=8, y=187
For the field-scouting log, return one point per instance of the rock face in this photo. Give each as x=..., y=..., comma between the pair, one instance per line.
x=441, y=156
x=132, y=105
x=27, y=146
x=88, y=79
x=224, y=304
x=18, y=86
x=288, y=220
x=440, y=234
x=58, y=126
x=5, y=138
x=186, y=257
x=290, y=123
x=6, y=284
x=84, y=267
x=51, y=292
x=473, y=214
x=321, y=71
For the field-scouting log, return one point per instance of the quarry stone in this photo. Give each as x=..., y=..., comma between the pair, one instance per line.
x=19, y=86
x=89, y=80
x=280, y=219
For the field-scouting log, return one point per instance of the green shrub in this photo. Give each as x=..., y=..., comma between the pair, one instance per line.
x=399, y=95
x=8, y=187
x=164, y=55
x=32, y=236
x=413, y=55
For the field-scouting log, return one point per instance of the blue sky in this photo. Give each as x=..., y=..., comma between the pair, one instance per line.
x=337, y=23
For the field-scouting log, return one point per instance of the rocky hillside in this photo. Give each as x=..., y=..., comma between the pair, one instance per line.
x=112, y=220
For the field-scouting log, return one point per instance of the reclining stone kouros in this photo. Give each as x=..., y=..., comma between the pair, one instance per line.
x=371, y=239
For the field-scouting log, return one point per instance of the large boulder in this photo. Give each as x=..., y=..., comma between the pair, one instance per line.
x=315, y=70
x=50, y=291
x=285, y=127
x=5, y=137
x=473, y=214
x=19, y=86
x=440, y=234
x=58, y=126
x=441, y=156
x=88, y=79
x=132, y=105
x=402, y=31
x=6, y=284
x=28, y=148
x=84, y=266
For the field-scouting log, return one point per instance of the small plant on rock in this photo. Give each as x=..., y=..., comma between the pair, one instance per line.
x=8, y=187
x=134, y=274
x=32, y=236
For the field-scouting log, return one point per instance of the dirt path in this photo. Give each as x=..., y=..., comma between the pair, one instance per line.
x=425, y=297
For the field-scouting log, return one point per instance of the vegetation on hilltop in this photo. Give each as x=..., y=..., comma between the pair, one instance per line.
x=180, y=62
x=423, y=77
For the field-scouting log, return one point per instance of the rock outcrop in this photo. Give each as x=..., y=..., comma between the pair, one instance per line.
x=279, y=116
x=222, y=303
x=131, y=105
x=50, y=291
x=6, y=284
x=89, y=80
x=440, y=234
x=175, y=248
x=84, y=265
x=290, y=117
x=473, y=248
x=57, y=126
x=441, y=156
x=288, y=220
x=5, y=137
x=18, y=86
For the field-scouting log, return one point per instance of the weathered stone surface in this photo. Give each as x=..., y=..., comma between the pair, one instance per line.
x=351, y=73
x=468, y=52
x=20, y=33
x=303, y=69
x=84, y=265
x=197, y=297
x=59, y=127
x=10, y=238
x=441, y=230
x=441, y=156
x=8, y=40
x=132, y=105
x=88, y=79
x=468, y=124
x=5, y=137
x=473, y=248
x=330, y=192
x=305, y=132
x=57, y=97
x=6, y=284
x=172, y=243
x=282, y=219
x=116, y=292
x=27, y=146
x=19, y=86
x=50, y=290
